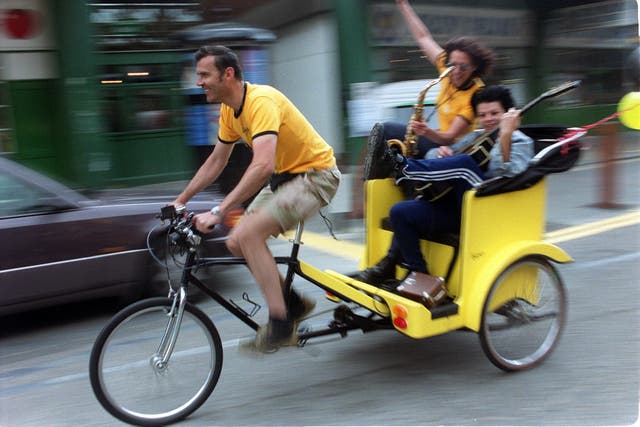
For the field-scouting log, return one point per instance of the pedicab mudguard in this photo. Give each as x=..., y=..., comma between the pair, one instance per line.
x=473, y=297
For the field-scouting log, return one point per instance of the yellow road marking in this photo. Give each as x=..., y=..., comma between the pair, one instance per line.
x=592, y=228
x=350, y=250
x=341, y=248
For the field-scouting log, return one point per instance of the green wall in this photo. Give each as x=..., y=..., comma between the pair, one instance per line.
x=352, y=19
x=37, y=135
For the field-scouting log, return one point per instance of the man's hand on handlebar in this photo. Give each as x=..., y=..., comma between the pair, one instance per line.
x=171, y=212
x=205, y=222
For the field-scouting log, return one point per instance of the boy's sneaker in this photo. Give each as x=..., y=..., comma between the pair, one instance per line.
x=275, y=334
x=380, y=161
x=384, y=270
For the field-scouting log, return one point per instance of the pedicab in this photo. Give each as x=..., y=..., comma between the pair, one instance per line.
x=159, y=359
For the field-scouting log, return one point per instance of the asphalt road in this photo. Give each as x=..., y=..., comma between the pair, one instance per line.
x=384, y=378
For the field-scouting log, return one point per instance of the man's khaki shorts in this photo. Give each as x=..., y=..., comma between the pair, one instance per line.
x=299, y=198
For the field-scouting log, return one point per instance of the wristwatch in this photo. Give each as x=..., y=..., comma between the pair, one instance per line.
x=217, y=212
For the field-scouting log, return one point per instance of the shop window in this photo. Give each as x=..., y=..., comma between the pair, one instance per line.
x=139, y=97
x=151, y=110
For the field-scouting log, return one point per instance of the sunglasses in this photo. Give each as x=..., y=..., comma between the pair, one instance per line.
x=461, y=67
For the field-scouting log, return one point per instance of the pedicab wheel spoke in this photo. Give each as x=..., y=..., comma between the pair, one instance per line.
x=129, y=377
x=523, y=314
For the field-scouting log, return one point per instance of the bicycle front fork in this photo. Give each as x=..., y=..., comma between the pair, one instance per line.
x=160, y=359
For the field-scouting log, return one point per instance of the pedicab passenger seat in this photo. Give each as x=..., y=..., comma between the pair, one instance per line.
x=443, y=238
x=449, y=239
x=557, y=150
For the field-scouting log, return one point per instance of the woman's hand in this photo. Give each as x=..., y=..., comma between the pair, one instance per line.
x=419, y=128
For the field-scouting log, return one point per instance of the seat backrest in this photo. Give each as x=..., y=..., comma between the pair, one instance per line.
x=380, y=195
x=557, y=150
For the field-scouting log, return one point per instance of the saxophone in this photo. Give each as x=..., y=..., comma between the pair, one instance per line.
x=409, y=147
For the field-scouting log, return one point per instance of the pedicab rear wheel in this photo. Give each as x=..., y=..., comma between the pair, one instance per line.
x=523, y=315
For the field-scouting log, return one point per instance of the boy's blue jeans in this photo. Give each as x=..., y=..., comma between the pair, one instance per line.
x=419, y=218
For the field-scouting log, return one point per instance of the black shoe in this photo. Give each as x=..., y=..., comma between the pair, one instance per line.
x=379, y=273
x=299, y=306
x=390, y=285
x=381, y=161
x=275, y=334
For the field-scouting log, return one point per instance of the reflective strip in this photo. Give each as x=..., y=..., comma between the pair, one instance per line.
x=12, y=270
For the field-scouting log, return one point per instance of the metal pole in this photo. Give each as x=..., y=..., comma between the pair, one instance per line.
x=608, y=148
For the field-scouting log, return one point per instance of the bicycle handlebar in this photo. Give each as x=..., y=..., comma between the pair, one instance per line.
x=182, y=233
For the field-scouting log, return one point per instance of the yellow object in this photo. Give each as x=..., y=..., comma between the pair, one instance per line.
x=453, y=102
x=630, y=107
x=496, y=231
x=266, y=110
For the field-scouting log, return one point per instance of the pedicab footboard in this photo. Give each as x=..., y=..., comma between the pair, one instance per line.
x=407, y=316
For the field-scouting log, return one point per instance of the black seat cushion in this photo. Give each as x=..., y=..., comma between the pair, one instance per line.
x=553, y=155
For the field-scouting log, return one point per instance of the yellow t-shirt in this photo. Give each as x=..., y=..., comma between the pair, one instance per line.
x=453, y=102
x=265, y=110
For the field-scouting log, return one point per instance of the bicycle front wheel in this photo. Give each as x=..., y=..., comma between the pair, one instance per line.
x=129, y=377
x=523, y=315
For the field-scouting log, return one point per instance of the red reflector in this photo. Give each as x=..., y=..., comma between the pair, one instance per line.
x=400, y=323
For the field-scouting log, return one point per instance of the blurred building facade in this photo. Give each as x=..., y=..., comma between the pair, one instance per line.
x=95, y=92
x=539, y=44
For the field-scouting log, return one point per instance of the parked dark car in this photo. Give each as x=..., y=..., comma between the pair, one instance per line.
x=57, y=246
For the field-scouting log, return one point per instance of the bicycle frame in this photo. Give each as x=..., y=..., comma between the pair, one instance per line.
x=295, y=266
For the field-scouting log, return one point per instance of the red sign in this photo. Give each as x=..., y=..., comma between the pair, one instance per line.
x=21, y=23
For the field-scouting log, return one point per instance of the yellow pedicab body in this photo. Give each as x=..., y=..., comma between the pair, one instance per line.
x=496, y=231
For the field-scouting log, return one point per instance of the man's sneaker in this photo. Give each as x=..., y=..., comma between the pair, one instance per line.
x=299, y=306
x=380, y=160
x=275, y=334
